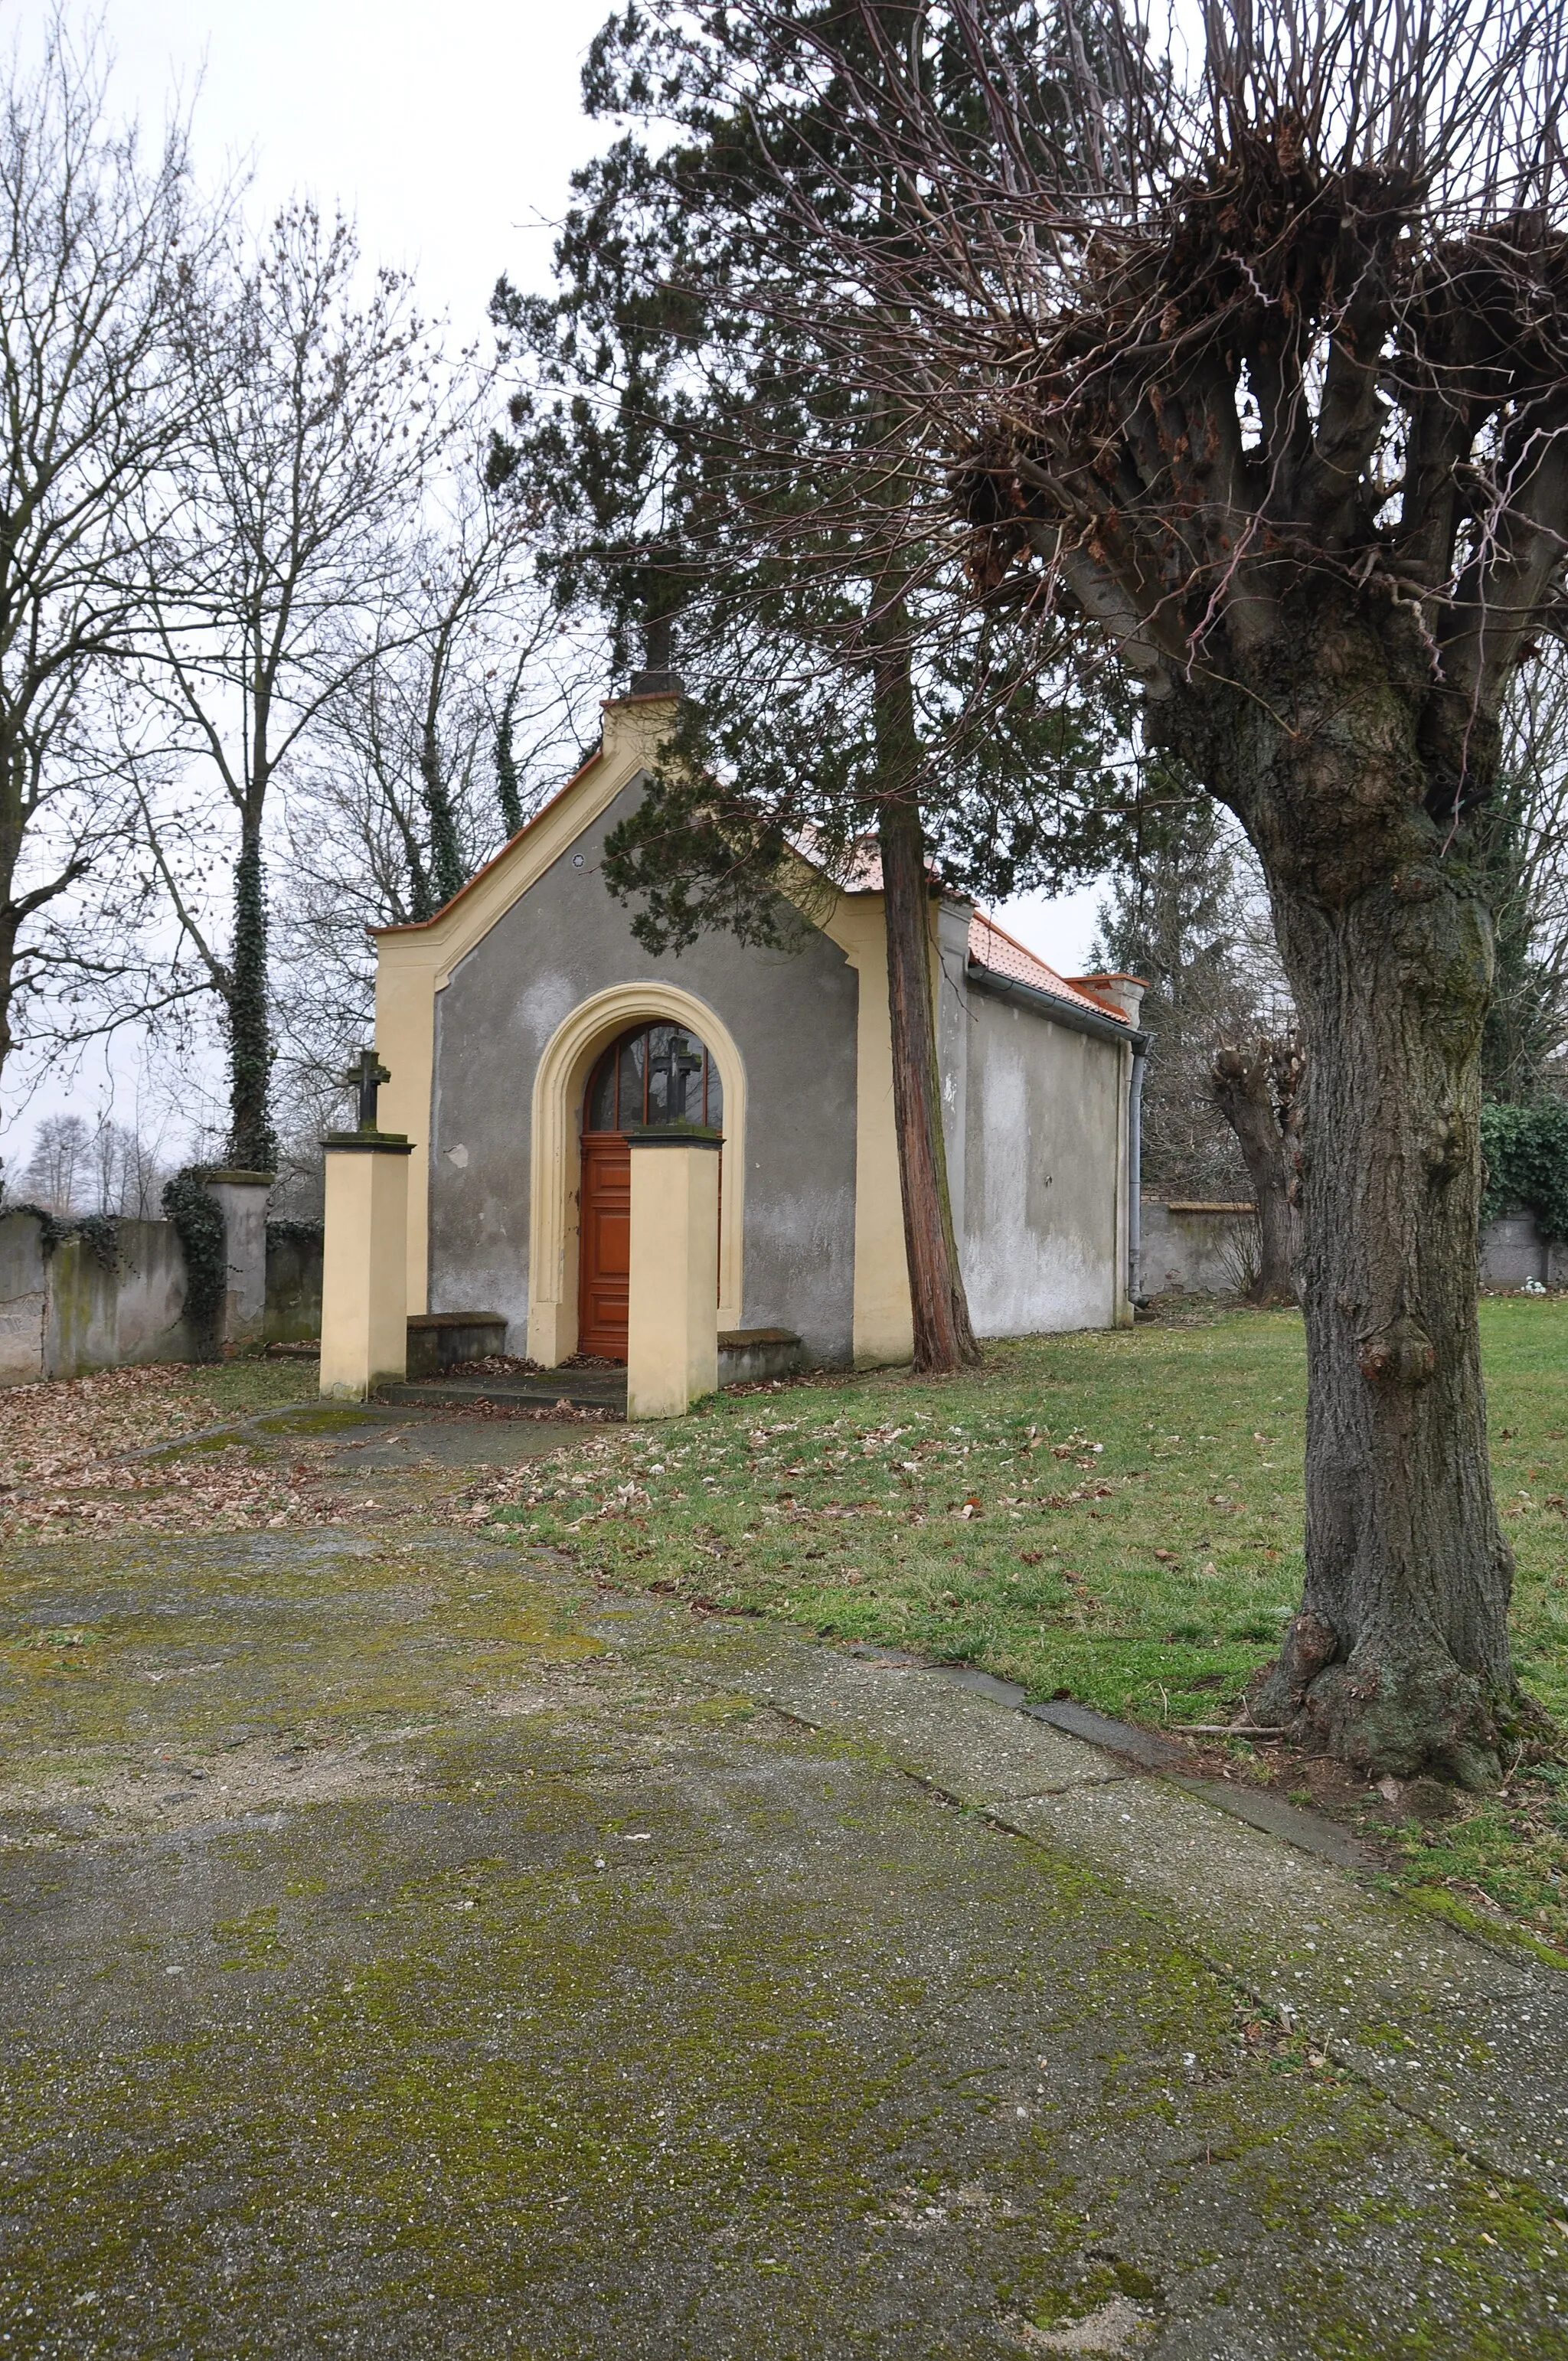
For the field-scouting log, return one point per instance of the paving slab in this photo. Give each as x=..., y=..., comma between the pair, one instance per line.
x=1473, y=2037
x=409, y=1948
x=412, y=1442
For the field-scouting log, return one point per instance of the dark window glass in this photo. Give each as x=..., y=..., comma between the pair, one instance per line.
x=633, y=1066
x=601, y=1096
x=660, y=1074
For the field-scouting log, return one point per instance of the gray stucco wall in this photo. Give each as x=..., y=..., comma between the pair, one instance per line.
x=793, y=1015
x=1208, y=1252
x=1039, y=1223
x=24, y=1298
x=149, y=1320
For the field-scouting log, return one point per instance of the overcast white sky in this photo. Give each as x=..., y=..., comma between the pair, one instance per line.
x=449, y=132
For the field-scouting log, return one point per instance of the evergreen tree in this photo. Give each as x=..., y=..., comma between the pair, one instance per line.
x=710, y=474
x=1184, y=912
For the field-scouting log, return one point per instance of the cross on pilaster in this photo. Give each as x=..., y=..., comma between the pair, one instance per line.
x=678, y=1061
x=365, y=1076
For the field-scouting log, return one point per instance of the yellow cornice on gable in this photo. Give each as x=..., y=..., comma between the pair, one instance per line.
x=634, y=729
x=413, y=962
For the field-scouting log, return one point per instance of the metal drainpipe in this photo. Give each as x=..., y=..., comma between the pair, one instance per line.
x=1135, y=1168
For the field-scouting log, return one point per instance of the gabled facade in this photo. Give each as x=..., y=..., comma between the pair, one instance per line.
x=526, y=1032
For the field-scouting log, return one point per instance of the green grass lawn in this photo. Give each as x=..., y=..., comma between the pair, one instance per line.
x=1116, y=1516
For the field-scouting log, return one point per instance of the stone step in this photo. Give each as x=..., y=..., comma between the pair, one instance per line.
x=583, y=1389
x=746, y=1356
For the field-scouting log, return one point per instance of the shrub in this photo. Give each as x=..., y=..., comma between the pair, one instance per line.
x=1526, y=1150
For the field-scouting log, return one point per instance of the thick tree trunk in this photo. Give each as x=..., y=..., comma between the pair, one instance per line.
x=253, y=1143
x=943, y=1336
x=1242, y=1084
x=509, y=790
x=940, y=1308
x=1398, y=1659
x=446, y=855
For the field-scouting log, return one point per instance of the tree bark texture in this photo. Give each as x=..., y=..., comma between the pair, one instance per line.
x=1398, y=1659
x=253, y=1143
x=943, y=1336
x=1242, y=1083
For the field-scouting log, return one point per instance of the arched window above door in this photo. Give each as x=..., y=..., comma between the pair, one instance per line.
x=653, y=1076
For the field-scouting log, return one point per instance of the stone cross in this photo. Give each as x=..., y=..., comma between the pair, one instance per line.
x=367, y=1077
x=678, y=1063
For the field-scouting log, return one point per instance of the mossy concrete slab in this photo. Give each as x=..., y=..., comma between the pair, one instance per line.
x=945, y=1730
x=405, y=1952
x=453, y=1442
x=1474, y=2035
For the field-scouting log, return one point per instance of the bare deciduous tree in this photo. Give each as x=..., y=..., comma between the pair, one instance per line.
x=1525, y=874
x=1257, y=1087
x=317, y=414
x=436, y=746
x=93, y=236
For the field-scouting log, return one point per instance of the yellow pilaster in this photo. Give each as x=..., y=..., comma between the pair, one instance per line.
x=364, y=1292
x=884, y=1322
x=671, y=1350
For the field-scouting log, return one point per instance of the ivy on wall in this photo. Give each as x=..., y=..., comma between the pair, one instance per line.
x=198, y=1219
x=100, y=1232
x=1526, y=1150
x=285, y=1232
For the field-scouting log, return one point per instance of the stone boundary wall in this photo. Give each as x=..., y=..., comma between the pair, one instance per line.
x=81, y=1307
x=1193, y=1248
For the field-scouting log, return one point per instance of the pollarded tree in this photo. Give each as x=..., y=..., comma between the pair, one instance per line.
x=1265, y=383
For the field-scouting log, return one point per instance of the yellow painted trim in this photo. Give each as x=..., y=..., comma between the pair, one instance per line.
x=405, y=1042
x=559, y=1082
x=672, y=1344
x=364, y=1326
x=413, y=963
x=884, y=1322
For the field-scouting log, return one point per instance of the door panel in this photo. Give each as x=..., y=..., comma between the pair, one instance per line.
x=604, y=1247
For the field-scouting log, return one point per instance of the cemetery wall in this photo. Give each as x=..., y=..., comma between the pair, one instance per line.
x=111, y=1295
x=1190, y=1248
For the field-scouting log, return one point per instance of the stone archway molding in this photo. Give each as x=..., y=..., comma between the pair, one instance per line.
x=559, y=1082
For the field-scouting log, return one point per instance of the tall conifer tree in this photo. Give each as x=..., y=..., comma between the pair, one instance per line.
x=712, y=477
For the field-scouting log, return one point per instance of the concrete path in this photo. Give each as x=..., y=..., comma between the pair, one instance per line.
x=408, y=1950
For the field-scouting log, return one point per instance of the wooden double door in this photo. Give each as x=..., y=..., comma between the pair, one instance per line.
x=655, y=1076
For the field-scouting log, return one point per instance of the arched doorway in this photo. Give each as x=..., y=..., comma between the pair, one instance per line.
x=655, y=1076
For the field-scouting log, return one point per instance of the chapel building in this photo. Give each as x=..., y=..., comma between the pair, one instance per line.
x=528, y=1035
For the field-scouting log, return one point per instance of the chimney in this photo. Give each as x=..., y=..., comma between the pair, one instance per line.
x=658, y=676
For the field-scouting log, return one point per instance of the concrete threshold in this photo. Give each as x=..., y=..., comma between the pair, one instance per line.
x=1468, y=2035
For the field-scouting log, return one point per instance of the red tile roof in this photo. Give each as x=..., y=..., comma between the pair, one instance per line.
x=990, y=946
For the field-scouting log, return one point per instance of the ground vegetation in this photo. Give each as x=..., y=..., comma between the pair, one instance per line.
x=1117, y=1518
